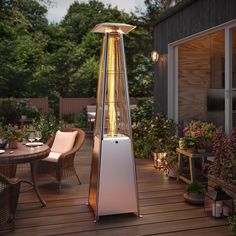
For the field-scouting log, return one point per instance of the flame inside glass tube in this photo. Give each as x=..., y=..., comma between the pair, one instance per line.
x=111, y=83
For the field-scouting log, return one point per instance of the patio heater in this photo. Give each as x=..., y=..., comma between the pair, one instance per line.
x=113, y=183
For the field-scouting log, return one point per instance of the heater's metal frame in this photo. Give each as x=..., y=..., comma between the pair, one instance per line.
x=105, y=145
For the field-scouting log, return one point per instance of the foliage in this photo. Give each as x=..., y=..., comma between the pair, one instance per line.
x=80, y=121
x=11, y=132
x=224, y=150
x=8, y=111
x=40, y=59
x=232, y=223
x=154, y=9
x=198, y=133
x=196, y=187
x=11, y=110
x=48, y=125
x=190, y=142
x=152, y=131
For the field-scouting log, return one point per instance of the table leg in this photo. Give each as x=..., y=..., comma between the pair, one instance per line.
x=33, y=167
x=192, y=169
x=180, y=166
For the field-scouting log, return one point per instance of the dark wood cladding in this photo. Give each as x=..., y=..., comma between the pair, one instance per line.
x=185, y=19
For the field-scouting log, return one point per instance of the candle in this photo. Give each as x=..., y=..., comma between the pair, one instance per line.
x=217, y=209
x=225, y=211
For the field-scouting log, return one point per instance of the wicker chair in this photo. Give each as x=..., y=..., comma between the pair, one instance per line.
x=9, y=194
x=64, y=166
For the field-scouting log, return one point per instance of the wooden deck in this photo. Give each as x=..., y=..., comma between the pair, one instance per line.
x=161, y=203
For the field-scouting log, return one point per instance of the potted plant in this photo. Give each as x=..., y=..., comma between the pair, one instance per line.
x=198, y=135
x=12, y=135
x=171, y=156
x=190, y=143
x=195, y=193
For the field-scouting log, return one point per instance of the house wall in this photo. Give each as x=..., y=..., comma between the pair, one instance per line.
x=185, y=19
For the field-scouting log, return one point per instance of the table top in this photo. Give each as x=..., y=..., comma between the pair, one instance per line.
x=24, y=154
x=190, y=154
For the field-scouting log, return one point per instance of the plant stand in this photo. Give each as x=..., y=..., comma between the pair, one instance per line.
x=193, y=171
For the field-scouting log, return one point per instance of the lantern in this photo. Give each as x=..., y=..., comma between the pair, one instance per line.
x=218, y=203
x=113, y=184
x=159, y=158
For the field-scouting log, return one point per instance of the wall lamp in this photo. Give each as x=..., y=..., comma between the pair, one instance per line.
x=155, y=56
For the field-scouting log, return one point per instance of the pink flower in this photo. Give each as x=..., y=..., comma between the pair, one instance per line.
x=186, y=131
x=197, y=134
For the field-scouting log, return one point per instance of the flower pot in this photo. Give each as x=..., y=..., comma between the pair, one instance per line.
x=194, y=198
x=13, y=144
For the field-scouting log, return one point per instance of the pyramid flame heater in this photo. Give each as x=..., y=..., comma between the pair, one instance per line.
x=113, y=182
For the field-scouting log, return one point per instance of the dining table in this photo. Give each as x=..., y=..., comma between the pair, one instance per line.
x=27, y=154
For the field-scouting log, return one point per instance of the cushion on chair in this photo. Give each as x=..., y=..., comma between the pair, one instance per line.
x=53, y=157
x=63, y=142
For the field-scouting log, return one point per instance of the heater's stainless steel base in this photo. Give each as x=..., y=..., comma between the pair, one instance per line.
x=117, y=185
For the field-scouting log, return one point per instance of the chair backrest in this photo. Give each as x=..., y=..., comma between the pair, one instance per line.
x=79, y=140
x=91, y=108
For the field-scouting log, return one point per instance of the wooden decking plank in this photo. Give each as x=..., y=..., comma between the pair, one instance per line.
x=160, y=199
x=216, y=231
x=165, y=228
x=65, y=224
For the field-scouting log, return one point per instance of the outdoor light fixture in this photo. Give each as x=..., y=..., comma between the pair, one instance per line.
x=155, y=56
x=218, y=203
x=113, y=184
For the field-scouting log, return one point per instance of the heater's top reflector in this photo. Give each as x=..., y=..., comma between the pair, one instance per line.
x=111, y=27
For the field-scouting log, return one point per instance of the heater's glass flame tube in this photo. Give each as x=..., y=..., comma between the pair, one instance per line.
x=111, y=85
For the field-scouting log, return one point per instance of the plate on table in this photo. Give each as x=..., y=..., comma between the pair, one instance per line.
x=2, y=151
x=34, y=144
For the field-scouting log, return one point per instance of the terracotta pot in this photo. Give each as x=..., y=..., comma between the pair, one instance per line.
x=13, y=144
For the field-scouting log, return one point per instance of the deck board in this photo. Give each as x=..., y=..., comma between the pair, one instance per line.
x=161, y=204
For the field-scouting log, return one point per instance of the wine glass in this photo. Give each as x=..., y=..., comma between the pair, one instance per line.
x=31, y=138
x=38, y=135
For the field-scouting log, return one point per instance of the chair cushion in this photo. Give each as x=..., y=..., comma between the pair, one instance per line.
x=53, y=157
x=63, y=142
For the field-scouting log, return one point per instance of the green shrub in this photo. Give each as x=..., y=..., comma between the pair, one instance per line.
x=11, y=110
x=196, y=187
x=48, y=125
x=80, y=121
x=232, y=223
x=69, y=118
x=151, y=131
